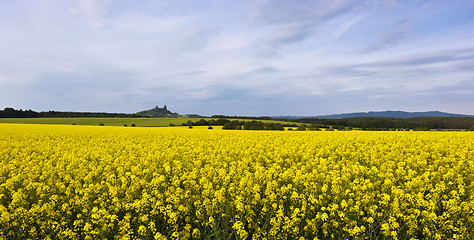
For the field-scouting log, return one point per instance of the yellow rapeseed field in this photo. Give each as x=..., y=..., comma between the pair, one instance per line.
x=86, y=182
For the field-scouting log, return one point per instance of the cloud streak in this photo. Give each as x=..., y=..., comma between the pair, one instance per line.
x=390, y=38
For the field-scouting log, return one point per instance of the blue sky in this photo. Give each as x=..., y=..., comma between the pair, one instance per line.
x=260, y=57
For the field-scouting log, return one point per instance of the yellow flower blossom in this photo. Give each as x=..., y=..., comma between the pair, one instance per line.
x=84, y=182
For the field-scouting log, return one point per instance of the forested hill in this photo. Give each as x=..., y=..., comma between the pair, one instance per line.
x=387, y=114
x=382, y=123
x=158, y=112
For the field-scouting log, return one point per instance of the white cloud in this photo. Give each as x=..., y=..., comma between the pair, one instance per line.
x=269, y=12
x=260, y=53
x=94, y=11
x=287, y=34
x=389, y=38
x=346, y=25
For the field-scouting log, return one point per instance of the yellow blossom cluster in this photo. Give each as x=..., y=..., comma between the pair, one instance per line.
x=86, y=182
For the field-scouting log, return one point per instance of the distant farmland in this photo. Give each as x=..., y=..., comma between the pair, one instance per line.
x=139, y=122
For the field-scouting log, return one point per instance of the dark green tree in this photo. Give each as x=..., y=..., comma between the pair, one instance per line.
x=301, y=127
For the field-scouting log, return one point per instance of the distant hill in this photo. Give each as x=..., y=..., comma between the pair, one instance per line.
x=388, y=114
x=158, y=112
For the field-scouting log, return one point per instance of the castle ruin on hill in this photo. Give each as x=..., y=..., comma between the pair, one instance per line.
x=160, y=109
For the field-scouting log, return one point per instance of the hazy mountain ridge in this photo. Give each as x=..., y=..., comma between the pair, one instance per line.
x=388, y=114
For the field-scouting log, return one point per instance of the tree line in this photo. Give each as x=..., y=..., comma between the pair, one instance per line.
x=237, y=125
x=382, y=123
x=204, y=122
x=253, y=125
x=12, y=113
